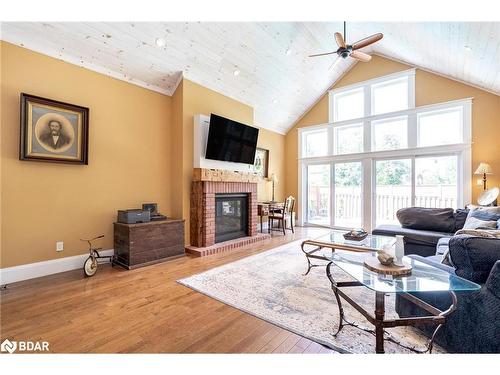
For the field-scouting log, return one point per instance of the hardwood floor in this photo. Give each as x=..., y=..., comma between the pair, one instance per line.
x=144, y=310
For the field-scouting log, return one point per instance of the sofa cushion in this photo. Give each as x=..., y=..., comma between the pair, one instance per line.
x=474, y=257
x=424, y=237
x=431, y=219
x=442, y=246
x=482, y=217
x=460, y=217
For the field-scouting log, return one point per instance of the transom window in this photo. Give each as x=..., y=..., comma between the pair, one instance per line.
x=380, y=153
x=390, y=96
x=349, y=104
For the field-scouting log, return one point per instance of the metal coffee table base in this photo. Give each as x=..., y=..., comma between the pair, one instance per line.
x=378, y=319
x=317, y=246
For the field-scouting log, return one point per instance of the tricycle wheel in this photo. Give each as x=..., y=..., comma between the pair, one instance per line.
x=90, y=266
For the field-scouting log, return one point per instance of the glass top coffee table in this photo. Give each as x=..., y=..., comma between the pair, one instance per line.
x=423, y=278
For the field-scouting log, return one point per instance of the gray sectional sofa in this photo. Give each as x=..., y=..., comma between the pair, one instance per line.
x=422, y=228
x=475, y=326
x=428, y=234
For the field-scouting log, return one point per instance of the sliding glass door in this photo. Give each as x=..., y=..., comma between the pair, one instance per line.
x=348, y=203
x=343, y=182
x=393, y=189
x=342, y=194
x=436, y=182
x=319, y=194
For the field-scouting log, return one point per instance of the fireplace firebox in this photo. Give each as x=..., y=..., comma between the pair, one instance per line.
x=231, y=216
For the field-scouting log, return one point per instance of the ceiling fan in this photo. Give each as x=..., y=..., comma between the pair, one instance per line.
x=351, y=50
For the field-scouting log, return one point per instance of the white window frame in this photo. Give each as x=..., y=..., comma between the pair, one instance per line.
x=367, y=88
x=439, y=110
x=374, y=123
x=351, y=125
x=335, y=94
x=368, y=157
x=409, y=75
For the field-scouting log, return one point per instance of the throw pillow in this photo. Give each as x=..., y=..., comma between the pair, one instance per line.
x=482, y=217
x=433, y=219
x=460, y=217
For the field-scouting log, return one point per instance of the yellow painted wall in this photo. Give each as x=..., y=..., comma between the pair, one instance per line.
x=140, y=150
x=275, y=143
x=176, y=156
x=430, y=89
x=198, y=99
x=129, y=156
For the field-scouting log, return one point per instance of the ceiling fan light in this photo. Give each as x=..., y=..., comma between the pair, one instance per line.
x=160, y=42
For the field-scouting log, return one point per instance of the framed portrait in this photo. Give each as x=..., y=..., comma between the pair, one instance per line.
x=53, y=131
x=261, y=163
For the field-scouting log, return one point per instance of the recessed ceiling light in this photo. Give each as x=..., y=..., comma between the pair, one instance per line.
x=160, y=42
x=288, y=52
x=236, y=73
x=275, y=101
x=468, y=49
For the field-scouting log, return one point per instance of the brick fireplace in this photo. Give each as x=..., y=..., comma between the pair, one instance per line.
x=207, y=184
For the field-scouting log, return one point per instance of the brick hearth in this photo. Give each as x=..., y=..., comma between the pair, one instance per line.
x=202, y=226
x=226, y=246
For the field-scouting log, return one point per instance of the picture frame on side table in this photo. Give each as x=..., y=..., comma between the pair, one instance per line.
x=53, y=131
x=261, y=163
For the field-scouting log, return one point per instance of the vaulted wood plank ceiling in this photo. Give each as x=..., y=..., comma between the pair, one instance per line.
x=264, y=65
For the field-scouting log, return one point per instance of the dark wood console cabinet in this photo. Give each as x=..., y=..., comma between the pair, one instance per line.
x=138, y=245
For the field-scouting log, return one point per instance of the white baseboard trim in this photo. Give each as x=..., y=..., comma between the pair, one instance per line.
x=49, y=267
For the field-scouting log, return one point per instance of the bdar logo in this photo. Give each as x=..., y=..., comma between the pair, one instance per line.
x=8, y=346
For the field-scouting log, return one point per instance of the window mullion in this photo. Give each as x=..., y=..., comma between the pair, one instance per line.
x=332, y=194
x=368, y=100
x=331, y=141
x=367, y=193
x=413, y=181
x=367, y=136
x=412, y=130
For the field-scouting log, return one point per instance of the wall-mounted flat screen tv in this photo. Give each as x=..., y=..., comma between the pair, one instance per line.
x=229, y=140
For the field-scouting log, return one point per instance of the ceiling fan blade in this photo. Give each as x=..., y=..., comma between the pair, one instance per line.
x=367, y=41
x=361, y=56
x=340, y=40
x=323, y=54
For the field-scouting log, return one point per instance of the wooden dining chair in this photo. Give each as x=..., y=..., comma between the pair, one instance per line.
x=281, y=214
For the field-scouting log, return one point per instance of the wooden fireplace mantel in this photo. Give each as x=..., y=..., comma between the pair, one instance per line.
x=219, y=175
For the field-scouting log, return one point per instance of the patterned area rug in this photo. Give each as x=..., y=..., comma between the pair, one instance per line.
x=271, y=286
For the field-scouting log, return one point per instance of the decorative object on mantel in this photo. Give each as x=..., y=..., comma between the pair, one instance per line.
x=484, y=169
x=488, y=197
x=53, y=131
x=219, y=175
x=373, y=264
x=274, y=180
x=356, y=235
x=261, y=164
